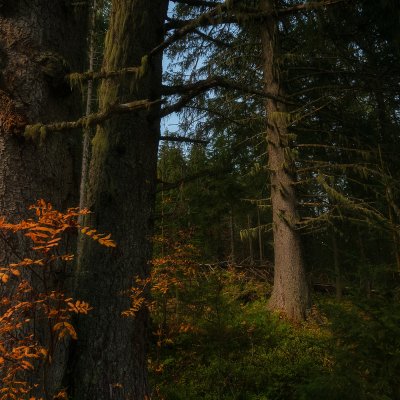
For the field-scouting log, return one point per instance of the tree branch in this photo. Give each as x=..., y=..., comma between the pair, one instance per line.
x=183, y=139
x=249, y=14
x=197, y=3
x=220, y=14
x=92, y=75
x=209, y=18
x=209, y=38
x=40, y=130
x=219, y=81
x=190, y=91
x=307, y=6
x=187, y=27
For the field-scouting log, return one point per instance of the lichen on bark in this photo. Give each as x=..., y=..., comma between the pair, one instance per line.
x=120, y=189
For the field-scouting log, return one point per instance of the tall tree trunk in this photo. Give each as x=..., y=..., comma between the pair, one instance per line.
x=37, y=48
x=290, y=291
x=110, y=357
x=384, y=127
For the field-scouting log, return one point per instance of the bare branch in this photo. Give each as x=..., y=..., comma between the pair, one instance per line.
x=92, y=75
x=40, y=130
x=219, y=43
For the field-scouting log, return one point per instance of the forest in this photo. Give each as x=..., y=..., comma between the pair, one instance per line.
x=199, y=199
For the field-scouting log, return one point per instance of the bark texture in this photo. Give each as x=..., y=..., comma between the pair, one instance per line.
x=109, y=361
x=290, y=291
x=37, y=49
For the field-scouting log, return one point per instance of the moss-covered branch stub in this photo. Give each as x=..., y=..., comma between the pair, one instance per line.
x=77, y=79
x=36, y=133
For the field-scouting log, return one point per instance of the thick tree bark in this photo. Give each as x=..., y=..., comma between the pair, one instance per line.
x=37, y=48
x=290, y=291
x=110, y=357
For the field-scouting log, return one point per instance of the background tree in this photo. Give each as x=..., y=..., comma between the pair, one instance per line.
x=323, y=71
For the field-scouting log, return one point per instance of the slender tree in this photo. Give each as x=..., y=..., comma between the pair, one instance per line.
x=290, y=291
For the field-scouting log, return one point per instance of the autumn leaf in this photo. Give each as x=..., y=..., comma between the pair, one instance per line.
x=64, y=329
x=79, y=307
x=26, y=365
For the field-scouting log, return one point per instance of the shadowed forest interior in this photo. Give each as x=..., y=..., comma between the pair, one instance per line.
x=199, y=199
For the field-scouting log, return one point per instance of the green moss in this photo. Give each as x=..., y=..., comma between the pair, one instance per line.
x=100, y=141
x=76, y=80
x=89, y=120
x=64, y=125
x=280, y=117
x=43, y=134
x=33, y=132
x=144, y=66
x=108, y=94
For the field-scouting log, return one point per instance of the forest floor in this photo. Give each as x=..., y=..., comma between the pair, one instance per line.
x=215, y=339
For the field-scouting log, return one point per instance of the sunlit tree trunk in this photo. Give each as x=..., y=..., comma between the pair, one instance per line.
x=110, y=357
x=290, y=292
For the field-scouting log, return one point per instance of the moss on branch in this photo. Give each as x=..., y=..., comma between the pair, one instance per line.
x=38, y=131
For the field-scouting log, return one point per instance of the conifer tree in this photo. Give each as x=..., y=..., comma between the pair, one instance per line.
x=324, y=75
x=37, y=50
x=110, y=358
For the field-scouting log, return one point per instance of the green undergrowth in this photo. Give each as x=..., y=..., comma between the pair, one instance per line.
x=236, y=349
